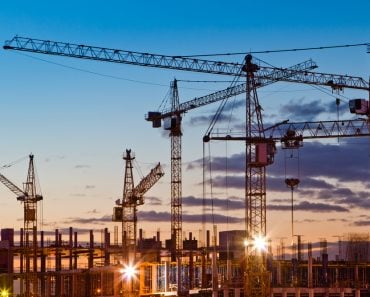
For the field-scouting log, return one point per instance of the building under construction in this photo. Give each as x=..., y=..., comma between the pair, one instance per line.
x=239, y=263
x=67, y=267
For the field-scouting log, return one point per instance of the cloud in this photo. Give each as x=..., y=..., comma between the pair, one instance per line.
x=358, y=199
x=296, y=109
x=91, y=220
x=78, y=195
x=234, y=164
x=299, y=110
x=207, y=119
x=345, y=162
x=153, y=201
x=57, y=157
x=361, y=223
x=338, y=220
x=309, y=221
x=232, y=182
x=82, y=166
x=94, y=211
x=232, y=203
x=153, y=216
x=308, y=206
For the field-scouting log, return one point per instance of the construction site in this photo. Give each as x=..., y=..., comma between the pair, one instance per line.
x=233, y=263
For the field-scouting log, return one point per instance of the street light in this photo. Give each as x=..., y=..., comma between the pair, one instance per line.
x=292, y=183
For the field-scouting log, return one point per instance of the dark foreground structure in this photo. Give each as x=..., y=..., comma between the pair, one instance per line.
x=68, y=268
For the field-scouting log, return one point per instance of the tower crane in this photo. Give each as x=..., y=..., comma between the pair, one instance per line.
x=29, y=197
x=260, y=150
x=172, y=121
x=127, y=211
x=291, y=136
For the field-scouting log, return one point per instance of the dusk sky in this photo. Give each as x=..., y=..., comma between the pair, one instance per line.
x=77, y=117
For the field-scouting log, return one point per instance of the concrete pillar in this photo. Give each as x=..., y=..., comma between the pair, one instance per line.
x=311, y=292
x=70, y=247
x=278, y=273
x=48, y=284
x=62, y=284
x=91, y=250
x=74, y=284
x=310, y=278
x=106, y=247
x=298, y=292
x=75, y=245
x=154, y=277
x=42, y=264
x=117, y=284
x=102, y=285
x=167, y=278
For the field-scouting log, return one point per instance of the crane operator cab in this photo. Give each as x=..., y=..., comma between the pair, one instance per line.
x=264, y=153
x=359, y=106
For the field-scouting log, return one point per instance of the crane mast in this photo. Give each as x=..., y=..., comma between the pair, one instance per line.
x=259, y=154
x=133, y=197
x=127, y=214
x=129, y=217
x=29, y=198
x=176, y=186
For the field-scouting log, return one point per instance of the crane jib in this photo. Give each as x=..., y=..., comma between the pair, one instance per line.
x=182, y=63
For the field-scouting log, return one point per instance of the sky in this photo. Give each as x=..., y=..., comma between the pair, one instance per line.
x=77, y=117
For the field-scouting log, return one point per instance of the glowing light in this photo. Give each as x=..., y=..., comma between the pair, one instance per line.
x=260, y=244
x=4, y=293
x=129, y=271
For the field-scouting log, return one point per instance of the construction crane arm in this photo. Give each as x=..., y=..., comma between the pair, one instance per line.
x=335, y=81
x=320, y=129
x=298, y=131
x=121, y=56
x=12, y=187
x=178, y=62
x=231, y=91
x=274, y=75
x=147, y=182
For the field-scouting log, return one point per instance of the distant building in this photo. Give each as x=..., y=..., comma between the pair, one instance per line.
x=231, y=244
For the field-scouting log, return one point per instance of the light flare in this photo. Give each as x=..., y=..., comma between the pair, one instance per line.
x=129, y=271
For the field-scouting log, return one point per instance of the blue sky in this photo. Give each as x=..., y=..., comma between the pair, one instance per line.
x=78, y=124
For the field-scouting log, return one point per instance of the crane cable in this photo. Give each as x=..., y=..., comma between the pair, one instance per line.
x=207, y=167
x=221, y=107
x=279, y=50
x=13, y=163
x=228, y=272
x=38, y=186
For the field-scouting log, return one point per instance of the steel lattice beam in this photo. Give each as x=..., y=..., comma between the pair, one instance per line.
x=308, y=130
